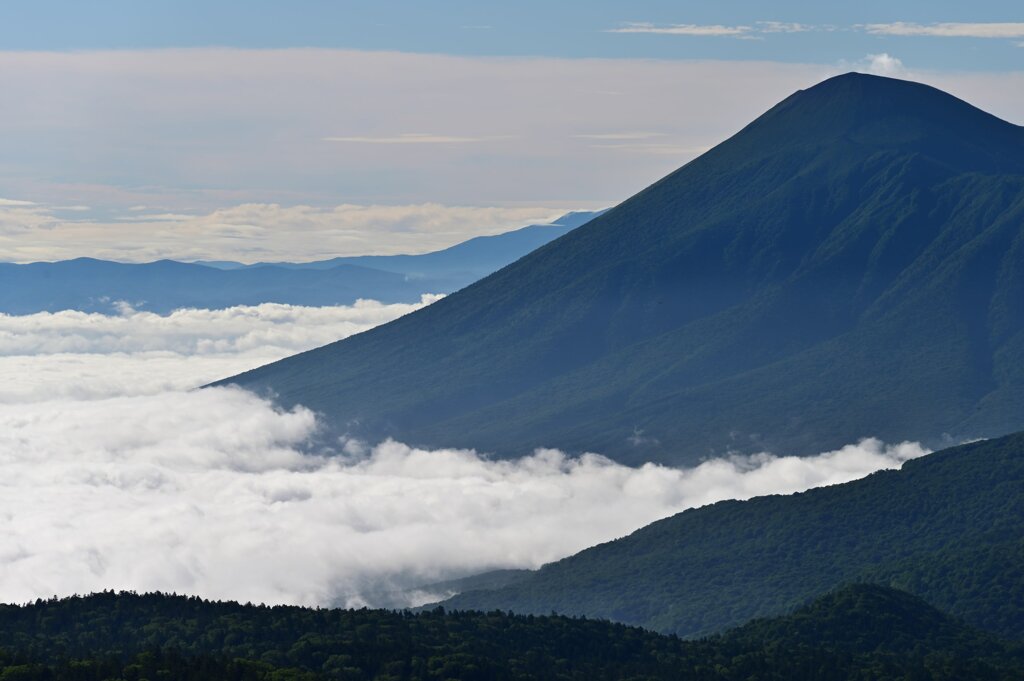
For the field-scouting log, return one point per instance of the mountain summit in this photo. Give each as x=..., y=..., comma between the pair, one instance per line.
x=850, y=264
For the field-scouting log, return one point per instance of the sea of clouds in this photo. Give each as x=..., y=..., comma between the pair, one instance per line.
x=113, y=474
x=92, y=355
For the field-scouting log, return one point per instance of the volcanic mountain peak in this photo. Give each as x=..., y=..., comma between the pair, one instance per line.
x=846, y=266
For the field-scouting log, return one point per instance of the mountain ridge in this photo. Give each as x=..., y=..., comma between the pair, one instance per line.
x=94, y=285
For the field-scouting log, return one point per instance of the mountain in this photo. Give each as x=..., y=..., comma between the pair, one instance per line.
x=95, y=285
x=871, y=633
x=467, y=261
x=948, y=527
x=850, y=264
x=862, y=619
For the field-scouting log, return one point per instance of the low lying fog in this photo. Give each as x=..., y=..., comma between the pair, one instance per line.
x=112, y=475
x=88, y=355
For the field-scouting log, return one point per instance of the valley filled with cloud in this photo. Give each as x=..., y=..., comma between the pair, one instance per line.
x=91, y=355
x=116, y=473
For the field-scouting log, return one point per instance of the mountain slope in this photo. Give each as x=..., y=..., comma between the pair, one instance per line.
x=133, y=636
x=867, y=618
x=850, y=264
x=946, y=527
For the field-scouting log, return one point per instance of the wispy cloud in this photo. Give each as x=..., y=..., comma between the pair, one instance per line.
x=719, y=30
x=674, y=150
x=638, y=135
x=30, y=232
x=883, y=64
x=412, y=138
x=682, y=29
x=15, y=203
x=896, y=28
x=789, y=27
x=949, y=30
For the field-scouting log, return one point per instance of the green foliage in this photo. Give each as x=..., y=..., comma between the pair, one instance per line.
x=849, y=265
x=946, y=527
x=856, y=633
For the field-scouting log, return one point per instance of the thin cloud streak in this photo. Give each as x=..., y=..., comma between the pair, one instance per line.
x=638, y=135
x=412, y=138
x=271, y=232
x=676, y=151
x=995, y=30
x=949, y=30
x=682, y=29
x=718, y=30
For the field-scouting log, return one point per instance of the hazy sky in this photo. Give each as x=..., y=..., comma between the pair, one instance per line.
x=985, y=34
x=304, y=130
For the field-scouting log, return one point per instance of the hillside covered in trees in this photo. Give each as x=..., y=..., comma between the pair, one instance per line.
x=859, y=632
x=947, y=527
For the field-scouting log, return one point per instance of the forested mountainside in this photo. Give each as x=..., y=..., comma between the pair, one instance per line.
x=856, y=633
x=948, y=527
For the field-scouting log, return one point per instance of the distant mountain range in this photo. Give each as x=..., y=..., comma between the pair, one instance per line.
x=848, y=265
x=95, y=285
x=948, y=527
x=465, y=262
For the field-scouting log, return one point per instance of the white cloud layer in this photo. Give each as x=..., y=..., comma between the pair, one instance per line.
x=90, y=355
x=112, y=475
x=209, y=493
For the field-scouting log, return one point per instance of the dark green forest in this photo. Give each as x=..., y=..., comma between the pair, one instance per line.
x=859, y=632
x=947, y=527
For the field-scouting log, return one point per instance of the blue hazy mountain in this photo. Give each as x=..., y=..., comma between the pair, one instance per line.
x=467, y=261
x=848, y=265
x=94, y=285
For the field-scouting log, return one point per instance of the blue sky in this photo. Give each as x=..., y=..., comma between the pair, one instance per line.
x=258, y=130
x=573, y=28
